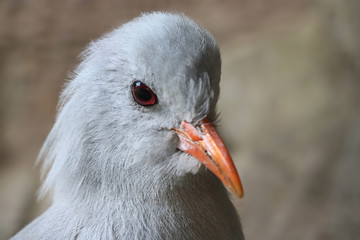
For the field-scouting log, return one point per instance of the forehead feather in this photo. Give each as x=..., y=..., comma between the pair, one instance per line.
x=169, y=52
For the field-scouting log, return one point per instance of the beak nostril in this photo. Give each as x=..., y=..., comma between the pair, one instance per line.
x=191, y=131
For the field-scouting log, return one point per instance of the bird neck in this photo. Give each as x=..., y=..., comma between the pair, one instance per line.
x=193, y=206
x=147, y=188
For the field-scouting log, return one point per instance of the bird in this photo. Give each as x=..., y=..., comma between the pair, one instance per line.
x=134, y=152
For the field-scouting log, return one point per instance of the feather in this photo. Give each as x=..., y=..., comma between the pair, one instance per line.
x=113, y=164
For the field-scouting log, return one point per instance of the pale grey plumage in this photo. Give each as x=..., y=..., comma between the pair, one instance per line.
x=113, y=164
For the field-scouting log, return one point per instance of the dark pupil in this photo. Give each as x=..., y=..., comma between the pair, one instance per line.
x=143, y=94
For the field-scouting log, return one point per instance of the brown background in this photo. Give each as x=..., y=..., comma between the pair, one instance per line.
x=289, y=102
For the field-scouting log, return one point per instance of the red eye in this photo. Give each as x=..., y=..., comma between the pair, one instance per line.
x=143, y=95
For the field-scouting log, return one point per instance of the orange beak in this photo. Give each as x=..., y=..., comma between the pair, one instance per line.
x=205, y=144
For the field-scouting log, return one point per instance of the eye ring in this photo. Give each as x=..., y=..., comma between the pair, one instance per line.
x=143, y=95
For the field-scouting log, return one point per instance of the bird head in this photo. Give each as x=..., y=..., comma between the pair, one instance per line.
x=141, y=105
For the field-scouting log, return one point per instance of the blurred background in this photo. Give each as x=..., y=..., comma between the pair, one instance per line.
x=290, y=103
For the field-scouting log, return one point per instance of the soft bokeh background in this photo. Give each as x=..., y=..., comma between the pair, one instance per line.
x=290, y=103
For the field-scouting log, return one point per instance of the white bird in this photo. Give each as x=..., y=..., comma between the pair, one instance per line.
x=133, y=127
